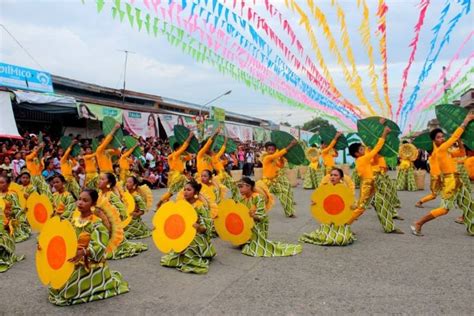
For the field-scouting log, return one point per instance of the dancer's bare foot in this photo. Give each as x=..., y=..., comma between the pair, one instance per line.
x=419, y=204
x=459, y=220
x=292, y=216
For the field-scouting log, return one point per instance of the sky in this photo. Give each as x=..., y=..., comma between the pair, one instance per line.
x=69, y=38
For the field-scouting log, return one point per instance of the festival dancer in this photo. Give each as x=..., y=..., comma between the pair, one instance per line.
x=203, y=157
x=386, y=185
x=176, y=162
x=35, y=166
x=314, y=174
x=221, y=174
x=103, y=155
x=124, y=163
x=66, y=170
x=460, y=155
x=368, y=189
x=196, y=258
x=90, y=161
x=454, y=192
x=276, y=181
x=328, y=153
x=218, y=189
x=25, y=182
x=107, y=196
x=18, y=226
x=435, y=179
x=332, y=235
x=7, y=244
x=92, y=278
x=137, y=229
x=64, y=203
x=259, y=245
x=406, y=176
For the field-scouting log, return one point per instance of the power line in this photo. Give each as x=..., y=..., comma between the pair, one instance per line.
x=19, y=44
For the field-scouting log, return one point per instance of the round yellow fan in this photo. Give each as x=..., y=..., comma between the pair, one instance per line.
x=263, y=189
x=332, y=204
x=347, y=181
x=129, y=202
x=408, y=152
x=39, y=210
x=2, y=214
x=173, y=224
x=57, y=243
x=145, y=192
x=233, y=222
x=312, y=153
x=116, y=228
x=18, y=189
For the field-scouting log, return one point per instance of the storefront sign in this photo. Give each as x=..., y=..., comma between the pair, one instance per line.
x=25, y=78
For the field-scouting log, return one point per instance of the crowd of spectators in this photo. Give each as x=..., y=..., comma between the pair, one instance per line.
x=152, y=167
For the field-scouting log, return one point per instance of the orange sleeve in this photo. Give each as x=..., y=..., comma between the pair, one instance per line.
x=181, y=149
x=221, y=151
x=32, y=155
x=204, y=148
x=105, y=143
x=277, y=154
x=114, y=151
x=128, y=152
x=65, y=157
x=329, y=147
x=454, y=138
x=371, y=154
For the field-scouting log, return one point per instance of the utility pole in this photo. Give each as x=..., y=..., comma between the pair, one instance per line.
x=125, y=72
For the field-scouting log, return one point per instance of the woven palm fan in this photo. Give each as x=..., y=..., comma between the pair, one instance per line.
x=408, y=152
x=116, y=228
x=18, y=189
x=129, y=202
x=147, y=195
x=312, y=153
x=262, y=189
x=108, y=125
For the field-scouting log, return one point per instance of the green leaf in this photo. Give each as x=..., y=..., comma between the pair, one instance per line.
x=328, y=133
x=219, y=141
x=296, y=154
x=370, y=130
x=108, y=124
x=315, y=140
x=65, y=142
x=181, y=133
x=391, y=124
x=76, y=150
x=130, y=142
x=423, y=141
x=94, y=144
x=450, y=117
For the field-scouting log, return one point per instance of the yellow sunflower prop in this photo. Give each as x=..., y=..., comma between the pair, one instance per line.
x=129, y=202
x=233, y=222
x=173, y=224
x=332, y=204
x=57, y=243
x=39, y=210
x=15, y=187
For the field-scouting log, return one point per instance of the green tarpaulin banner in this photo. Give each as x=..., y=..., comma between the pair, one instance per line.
x=98, y=112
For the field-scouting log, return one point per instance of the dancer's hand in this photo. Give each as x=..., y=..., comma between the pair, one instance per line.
x=386, y=131
x=468, y=119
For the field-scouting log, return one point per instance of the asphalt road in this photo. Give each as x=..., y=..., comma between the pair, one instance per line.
x=379, y=274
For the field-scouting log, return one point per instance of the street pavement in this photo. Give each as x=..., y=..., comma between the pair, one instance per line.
x=379, y=274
